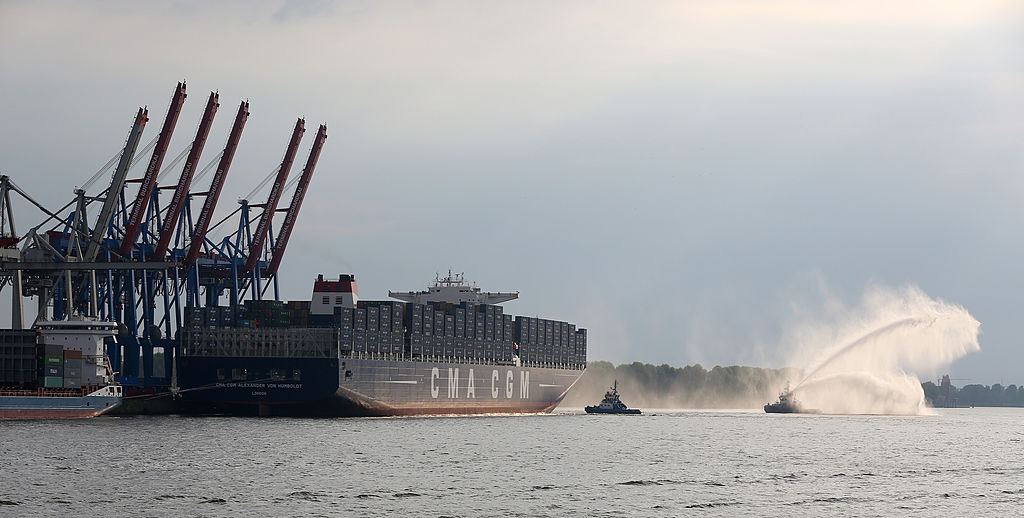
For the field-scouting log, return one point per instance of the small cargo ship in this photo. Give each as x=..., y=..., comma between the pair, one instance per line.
x=611, y=404
x=57, y=370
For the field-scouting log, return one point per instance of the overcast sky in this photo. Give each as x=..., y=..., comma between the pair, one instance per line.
x=684, y=179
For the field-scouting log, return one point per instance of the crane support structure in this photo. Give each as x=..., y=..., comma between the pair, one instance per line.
x=131, y=229
x=297, y=197
x=203, y=221
x=180, y=192
x=116, y=186
x=256, y=246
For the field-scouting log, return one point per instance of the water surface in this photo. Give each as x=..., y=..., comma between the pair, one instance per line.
x=671, y=463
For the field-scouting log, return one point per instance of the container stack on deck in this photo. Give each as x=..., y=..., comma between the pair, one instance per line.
x=550, y=342
x=17, y=357
x=375, y=328
x=51, y=365
x=24, y=363
x=255, y=314
x=464, y=332
x=457, y=332
x=72, y=369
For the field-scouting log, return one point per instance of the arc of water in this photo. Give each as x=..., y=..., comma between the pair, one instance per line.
x=861, y=341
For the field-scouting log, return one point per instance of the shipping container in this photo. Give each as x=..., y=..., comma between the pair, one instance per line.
x=460, y=322
x=359, y=341
x=439, y=329
x=449, y=325
x=345, y=317
x=428, y=323
x=53, y=382
x=373, y=318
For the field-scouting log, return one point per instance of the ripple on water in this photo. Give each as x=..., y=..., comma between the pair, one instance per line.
x=304, y=495
x=710, y=505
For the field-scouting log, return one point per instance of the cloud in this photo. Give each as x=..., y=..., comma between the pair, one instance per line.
x=297, y=10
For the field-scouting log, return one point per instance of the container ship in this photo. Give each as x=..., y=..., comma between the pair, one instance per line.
x=184, y=293
x=450, y=349
x=56, y=370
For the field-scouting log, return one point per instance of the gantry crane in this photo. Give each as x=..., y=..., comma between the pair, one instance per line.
x=140, y=259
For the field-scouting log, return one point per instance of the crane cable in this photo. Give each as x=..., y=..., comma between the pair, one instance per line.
x=176, y=161
x=145, y=149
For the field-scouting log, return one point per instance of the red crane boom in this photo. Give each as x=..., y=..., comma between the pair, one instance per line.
x=178, y=200
x=203, y=221
x=300, y=193
x=131, y=229
x=275, y=194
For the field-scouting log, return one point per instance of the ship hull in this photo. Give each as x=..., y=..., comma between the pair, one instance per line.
x=780, y=408
x=599, y=410
x=777, y=408
x=351, y=387
x=55, y=407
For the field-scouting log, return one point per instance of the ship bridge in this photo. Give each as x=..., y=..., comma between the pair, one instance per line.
x=453, y=289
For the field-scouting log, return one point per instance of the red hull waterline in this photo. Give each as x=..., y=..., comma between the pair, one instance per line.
x=355, y=405
x=367, y=406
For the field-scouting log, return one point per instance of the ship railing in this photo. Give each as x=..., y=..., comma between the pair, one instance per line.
x=349, y=353
x=262, y=342
x=43, y=391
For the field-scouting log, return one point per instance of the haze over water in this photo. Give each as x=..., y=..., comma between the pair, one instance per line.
x=670, y=464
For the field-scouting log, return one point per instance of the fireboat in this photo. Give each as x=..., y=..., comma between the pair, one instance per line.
x=787, y=404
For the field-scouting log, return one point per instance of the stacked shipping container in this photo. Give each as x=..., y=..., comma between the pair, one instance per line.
x=442, y=330
x=550, y=342
x=372, y=328
x=17, y=357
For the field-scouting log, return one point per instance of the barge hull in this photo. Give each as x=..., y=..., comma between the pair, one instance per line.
x=37, y=407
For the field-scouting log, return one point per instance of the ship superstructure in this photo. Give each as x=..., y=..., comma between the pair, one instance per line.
x=453, y=289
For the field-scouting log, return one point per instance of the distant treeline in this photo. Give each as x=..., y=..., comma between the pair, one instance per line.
x=663, y=386
x=693, y=386
x=973, y=395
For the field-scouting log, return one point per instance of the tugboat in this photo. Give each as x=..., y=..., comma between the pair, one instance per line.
x=611, y=404
x=787, y=404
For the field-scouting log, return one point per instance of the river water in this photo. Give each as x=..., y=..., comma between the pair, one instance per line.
x=667, y=463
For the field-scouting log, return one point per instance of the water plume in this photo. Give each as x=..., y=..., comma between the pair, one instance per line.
x=879, y=350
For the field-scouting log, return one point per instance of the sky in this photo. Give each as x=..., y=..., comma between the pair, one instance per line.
x=688, y=180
